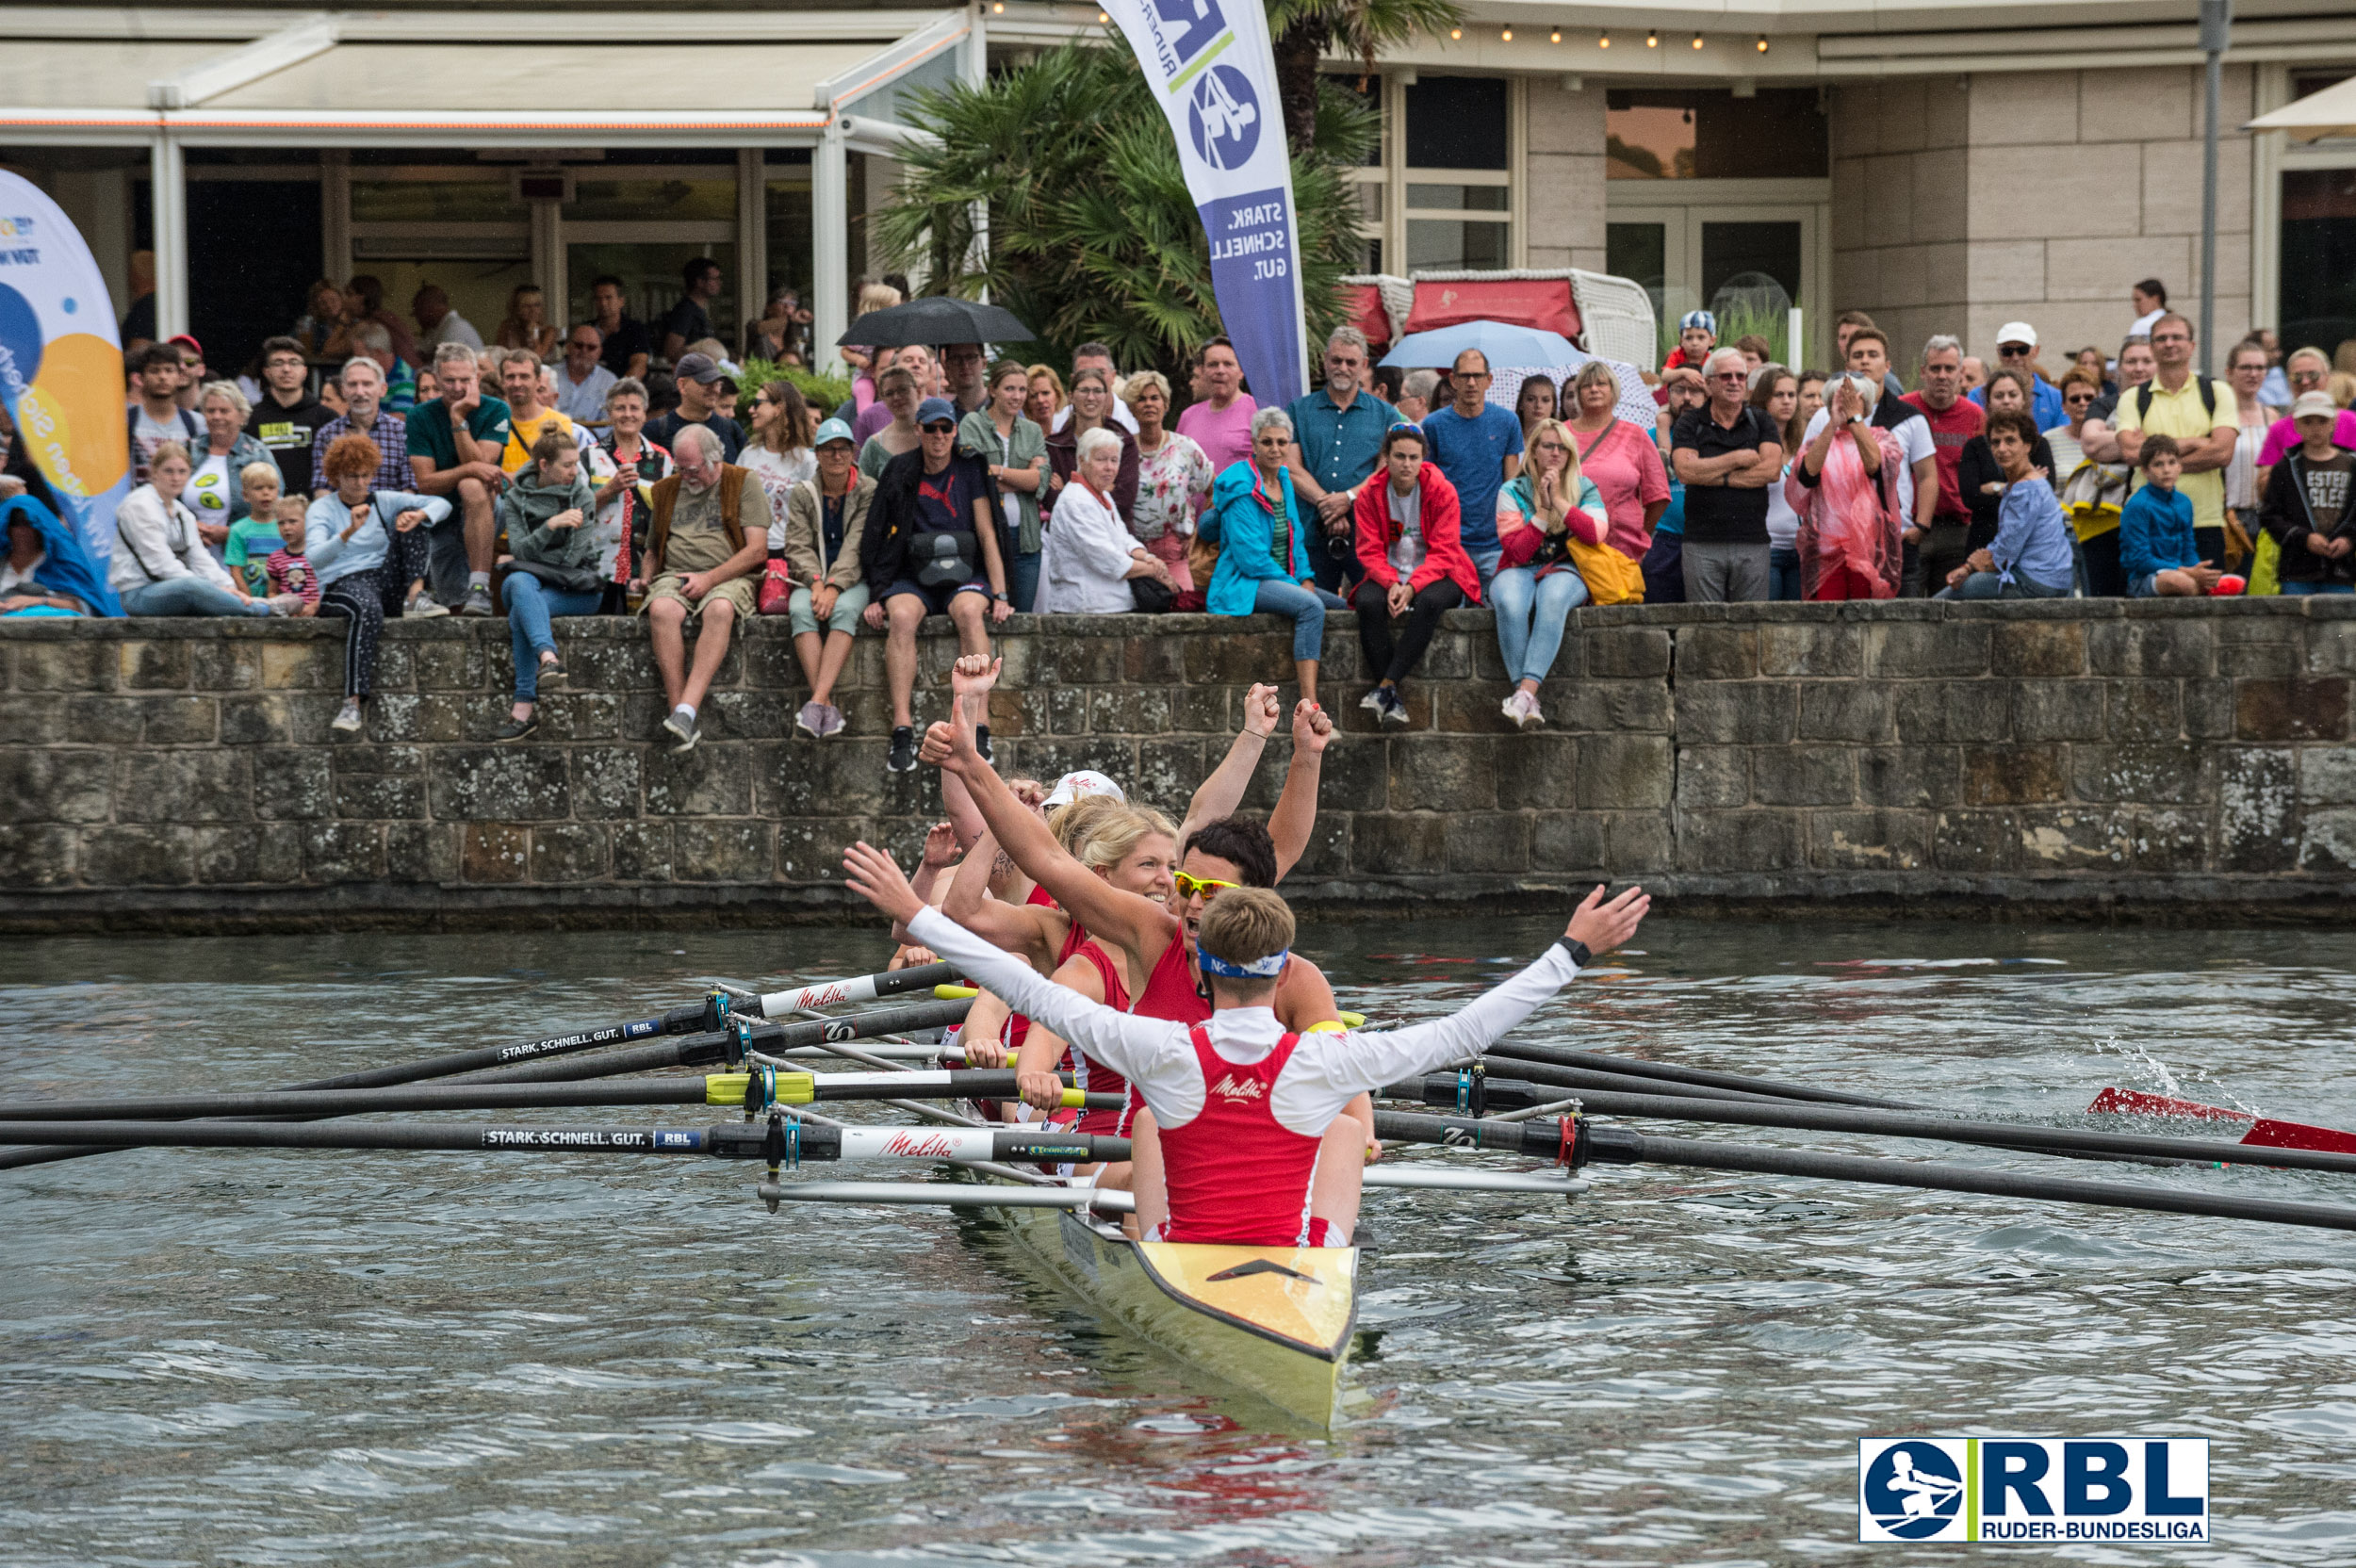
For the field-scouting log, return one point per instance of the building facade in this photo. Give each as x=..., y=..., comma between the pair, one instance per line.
x=1944, y=170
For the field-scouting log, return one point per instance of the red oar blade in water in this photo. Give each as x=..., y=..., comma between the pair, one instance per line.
x=2264, y=1131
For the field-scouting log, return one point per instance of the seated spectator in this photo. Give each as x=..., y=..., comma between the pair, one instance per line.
x=367, y=547
x=549, y=513
x=582, y=380
x=48, y=570
x=627, y=468
x=286, y=569
x=705, y=395
x=362, y=384
x=2308, y=511
x=778, y=452
x=254, y=537
x=936, y=543
x=781, y=329
x=2030, y=556
x=324, y=313
x=1261, y=532
x=216, y=493
x=1091, y=409
x=897, y=396
x=1979, y=476
x=705, y=546
x=1411, y=561
x=1046, y=403
x=160, y=565
x=825, y=530
x=529, y=416
x=1559, y=515
x=455, y=446
x=1173, y=477
x=1089, y=557
x=1015, y=450
x=526, y=323
x=2156, y=546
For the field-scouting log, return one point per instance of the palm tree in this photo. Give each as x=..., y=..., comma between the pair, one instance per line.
x=1303, y=30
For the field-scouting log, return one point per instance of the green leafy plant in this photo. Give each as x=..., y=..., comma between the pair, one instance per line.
x=822, y=393
x=1303, y=31
x=1092, y=235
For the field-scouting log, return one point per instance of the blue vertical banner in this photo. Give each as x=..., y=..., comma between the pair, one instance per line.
x=61, y=363
x=1210, y=64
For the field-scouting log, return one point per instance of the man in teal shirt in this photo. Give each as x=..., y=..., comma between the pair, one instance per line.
x=455, y=443
x=1338, y=441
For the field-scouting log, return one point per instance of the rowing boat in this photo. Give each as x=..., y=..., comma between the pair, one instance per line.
x=1275, y=1321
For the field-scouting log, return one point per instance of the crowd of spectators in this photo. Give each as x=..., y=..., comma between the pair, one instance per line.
x=599, y=469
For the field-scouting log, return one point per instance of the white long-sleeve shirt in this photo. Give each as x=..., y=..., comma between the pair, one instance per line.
x=1084, y=555
x=156, y=541
x=1327, y=1071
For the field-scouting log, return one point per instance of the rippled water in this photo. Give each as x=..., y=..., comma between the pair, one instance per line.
x=245, y=1357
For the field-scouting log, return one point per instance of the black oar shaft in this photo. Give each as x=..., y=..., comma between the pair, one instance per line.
x=1590, y=1078
x=1618, y=1146
x=1738, y=1084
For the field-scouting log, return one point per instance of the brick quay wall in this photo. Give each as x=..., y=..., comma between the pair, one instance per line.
x=2167, y=760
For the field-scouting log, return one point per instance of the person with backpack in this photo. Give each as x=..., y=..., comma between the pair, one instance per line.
x=155, y=414
x=2200, y=414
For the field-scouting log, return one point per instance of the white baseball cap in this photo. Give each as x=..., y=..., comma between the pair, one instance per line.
x=1072, y=786
x=2314, y=405
x=2016, y=332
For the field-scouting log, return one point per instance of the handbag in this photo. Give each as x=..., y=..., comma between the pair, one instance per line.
x=1611, y=577
x=776, y=586
x=1152, y=597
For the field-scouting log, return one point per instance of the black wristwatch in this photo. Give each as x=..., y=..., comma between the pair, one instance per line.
x=1000, y=599
x=1580, y=955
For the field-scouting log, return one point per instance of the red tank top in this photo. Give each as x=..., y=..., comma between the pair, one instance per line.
x=1092, y=1076
x=1170, y=991
x=1019, y=1024
x=1235, y=1175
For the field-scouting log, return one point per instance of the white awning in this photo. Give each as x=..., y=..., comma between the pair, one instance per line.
x=2330, y=112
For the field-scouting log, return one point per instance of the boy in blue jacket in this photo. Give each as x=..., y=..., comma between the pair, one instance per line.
x=2156, y=543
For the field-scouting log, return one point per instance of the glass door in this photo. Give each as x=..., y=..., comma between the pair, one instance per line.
x=1748, y=261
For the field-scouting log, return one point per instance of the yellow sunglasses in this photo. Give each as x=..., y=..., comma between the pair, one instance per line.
x=1189, y=886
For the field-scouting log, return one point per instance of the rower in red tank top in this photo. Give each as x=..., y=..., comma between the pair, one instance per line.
x=1094, y=1077
x=1234, y=1173
x=1019, y=1024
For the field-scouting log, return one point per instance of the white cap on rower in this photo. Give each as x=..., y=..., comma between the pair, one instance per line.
x=1072, y=786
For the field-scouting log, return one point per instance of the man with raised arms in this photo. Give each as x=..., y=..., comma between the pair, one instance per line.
x=1255, y=1148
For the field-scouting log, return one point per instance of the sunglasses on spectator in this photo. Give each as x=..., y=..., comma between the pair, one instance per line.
x=1190, y=886
x=939, y=427
x=1732, y=375
x=2013, y=350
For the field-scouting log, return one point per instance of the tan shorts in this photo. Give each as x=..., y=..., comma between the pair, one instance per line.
x=738, y=591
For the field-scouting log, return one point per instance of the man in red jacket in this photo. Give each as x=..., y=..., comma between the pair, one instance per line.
x=1411, y=547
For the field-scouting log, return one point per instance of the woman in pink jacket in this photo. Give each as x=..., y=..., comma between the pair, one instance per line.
x=1410, y=549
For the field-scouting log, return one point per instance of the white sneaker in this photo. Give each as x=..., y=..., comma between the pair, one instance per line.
x=1533, y=715
x=1511, y=705
x=423, y=606
x=347, y=717
x=285, y=604
x=1372, y=701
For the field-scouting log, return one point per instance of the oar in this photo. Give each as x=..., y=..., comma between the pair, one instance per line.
x=1602, y=1144
x=1440, y=1089
x=726, y=1046
x=1469, y=1081
x=866, y=988
x=1633, y=1067
x=968, y=1195
x=761, y=1088
x=737, y=1140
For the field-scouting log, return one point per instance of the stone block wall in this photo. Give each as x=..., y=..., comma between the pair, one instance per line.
x=2176, y=759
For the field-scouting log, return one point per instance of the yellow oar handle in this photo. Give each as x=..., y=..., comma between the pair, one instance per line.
x=955, y=993
x=1341, y=1025
x=727, y=1088
x=1075, y=1100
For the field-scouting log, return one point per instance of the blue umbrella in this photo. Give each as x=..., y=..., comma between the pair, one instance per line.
x=1501, y=342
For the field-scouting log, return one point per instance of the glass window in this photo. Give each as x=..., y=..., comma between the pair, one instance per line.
x=1639, y=251
x=650, y=280
x=1709, y=133
x=596, y=201
x=2318, y=258
x=1457, y=198
x=1447, y=243
x=1457, y=122
x=435, y=202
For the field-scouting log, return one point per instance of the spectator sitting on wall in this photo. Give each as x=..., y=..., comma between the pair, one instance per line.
x=825, y=529
x=936, y=543
x=2016, y=350
x=288, y=418
x=48, y=570
x=897, y=399
x=438, y=322
x=1093, y=356
x=1090, y=555
x=400, y=382
x=2157, y=547
x=688, y=320
x=367, y=546
x=582, y=380
x=704, y=391
x=1412, y=564
x=706, y=543
x=1697, y=335
x=525, y=325
x=1261, y=532
x=627, y=344
x=160, y=565
x=627, y=467
x=528, y=415
x=157, y=415
x=254, y=537
x=2309, y=508
x=549, y=513
x=1979, y=476
x=1726, y=454
x=2029, y=554
x=455, y=444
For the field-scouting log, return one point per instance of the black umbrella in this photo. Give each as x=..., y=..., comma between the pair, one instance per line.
x=937, y=318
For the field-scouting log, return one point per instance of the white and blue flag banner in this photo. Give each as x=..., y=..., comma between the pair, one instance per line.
x=1210, y=63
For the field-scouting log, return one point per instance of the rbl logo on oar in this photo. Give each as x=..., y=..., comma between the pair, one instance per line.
x=2123, y=1491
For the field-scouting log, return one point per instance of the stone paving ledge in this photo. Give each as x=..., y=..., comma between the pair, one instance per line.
x=2181, y=760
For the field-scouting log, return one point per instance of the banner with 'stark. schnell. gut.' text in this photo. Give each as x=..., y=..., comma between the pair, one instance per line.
x=1210, y=64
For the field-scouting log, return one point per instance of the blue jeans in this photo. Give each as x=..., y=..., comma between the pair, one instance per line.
x=1486, y=559
x=1989, y=585
x=1022, y=580
x=531, y=604
x=1783, y=573
x=186, y=595
x=1306, y=606
x=2300, y=590
x=1530, y=612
